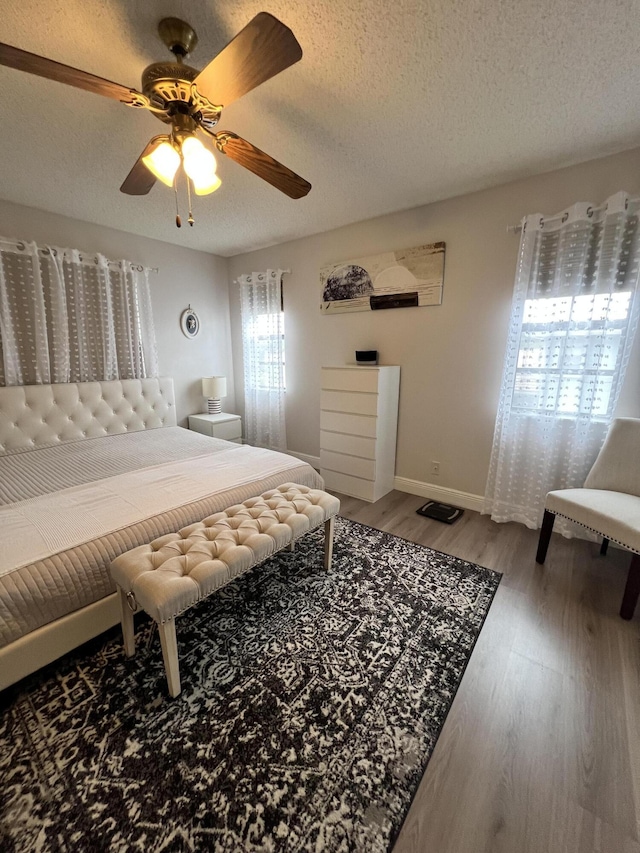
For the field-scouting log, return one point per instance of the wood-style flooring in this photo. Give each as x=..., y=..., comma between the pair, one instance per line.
x=540, y=752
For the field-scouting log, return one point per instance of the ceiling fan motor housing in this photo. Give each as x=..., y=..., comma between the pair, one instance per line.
x=169, y=81
x=170, y=88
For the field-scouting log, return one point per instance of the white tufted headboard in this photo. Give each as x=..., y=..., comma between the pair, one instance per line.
x=41, y=415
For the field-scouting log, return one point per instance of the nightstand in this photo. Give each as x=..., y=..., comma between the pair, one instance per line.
x=222, y=425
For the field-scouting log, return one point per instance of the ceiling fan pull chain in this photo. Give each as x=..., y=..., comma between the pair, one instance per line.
x=191, y=219
x=175, y=190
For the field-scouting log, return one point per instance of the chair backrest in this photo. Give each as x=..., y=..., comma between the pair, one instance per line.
x=617, y=467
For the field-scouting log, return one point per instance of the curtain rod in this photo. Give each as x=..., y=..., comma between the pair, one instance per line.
x=287, y=272
x=51, y=250
x=516, y=229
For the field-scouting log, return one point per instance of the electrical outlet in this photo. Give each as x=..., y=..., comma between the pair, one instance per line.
x=435, y=468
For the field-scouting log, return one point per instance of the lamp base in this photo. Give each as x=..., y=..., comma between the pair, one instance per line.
x=214, y=406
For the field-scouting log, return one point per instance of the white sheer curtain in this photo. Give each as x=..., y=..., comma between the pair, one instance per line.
x=263, y=352
x=574, y=315
x=67, y=318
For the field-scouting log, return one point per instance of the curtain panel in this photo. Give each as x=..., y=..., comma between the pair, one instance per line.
x=67, y=318
x=263, y=355
x=574, y=315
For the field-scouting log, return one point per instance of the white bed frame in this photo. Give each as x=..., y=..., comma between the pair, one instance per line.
x=34, y=416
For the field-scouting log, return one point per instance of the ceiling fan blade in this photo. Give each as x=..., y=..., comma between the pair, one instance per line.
x=265, y=47
x=14, y=57
x=140, y=180
x=261, y=164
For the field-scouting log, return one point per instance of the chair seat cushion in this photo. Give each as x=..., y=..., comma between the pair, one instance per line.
x=614, y=515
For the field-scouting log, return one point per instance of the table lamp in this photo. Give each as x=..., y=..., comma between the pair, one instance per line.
x=214, y=387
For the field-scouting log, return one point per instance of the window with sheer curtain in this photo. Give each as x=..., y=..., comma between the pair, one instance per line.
x=574, y=316
x=263, y=354
x=68, y=318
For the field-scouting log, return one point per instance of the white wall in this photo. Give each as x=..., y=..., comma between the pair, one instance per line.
x=451, y=356
x=184, y=276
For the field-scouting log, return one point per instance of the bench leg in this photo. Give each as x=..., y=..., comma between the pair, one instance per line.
x=128, y=628
x=167, y=631
x=328, y=542
x=545, y=535
x=604, y=546
x=632, y=589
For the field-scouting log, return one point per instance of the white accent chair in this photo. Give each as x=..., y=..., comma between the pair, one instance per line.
x=609, y=503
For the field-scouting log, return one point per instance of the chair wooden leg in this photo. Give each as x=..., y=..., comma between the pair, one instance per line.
x=292, y=546
x=128, y=628
x=167, y=631
x=632, y=589
x=604, y=546
x=545, y=535
x=328, y=542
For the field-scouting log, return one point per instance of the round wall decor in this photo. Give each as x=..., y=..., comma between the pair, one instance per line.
x=189, y=322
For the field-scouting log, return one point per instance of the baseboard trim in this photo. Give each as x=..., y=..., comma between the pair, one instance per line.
x=314, y=461
x=466, y=500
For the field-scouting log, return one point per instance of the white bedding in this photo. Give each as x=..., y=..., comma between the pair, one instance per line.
x=79, y=463
x=39, y=527
x=40, y=471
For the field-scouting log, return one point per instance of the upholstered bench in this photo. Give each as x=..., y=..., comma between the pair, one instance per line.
x=175, y=571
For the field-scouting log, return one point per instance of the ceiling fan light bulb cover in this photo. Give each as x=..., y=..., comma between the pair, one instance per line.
x=163, y=162
x=209, y=185
x=199, y=162
x=191, y=145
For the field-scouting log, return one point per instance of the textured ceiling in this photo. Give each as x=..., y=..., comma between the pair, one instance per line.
x=393, y=105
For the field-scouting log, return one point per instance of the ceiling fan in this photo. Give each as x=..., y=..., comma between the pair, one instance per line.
x=190, y=101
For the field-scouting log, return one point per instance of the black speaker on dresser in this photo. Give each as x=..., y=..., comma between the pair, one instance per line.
x=367, y=357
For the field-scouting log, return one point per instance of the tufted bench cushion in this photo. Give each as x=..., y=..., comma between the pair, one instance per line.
x=172, y=573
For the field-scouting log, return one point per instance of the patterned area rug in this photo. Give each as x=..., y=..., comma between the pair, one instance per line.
x=311, y=704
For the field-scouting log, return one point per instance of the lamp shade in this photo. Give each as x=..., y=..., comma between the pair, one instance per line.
x=214, y=386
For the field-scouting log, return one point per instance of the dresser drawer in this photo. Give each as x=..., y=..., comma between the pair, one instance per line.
x=351, y=444
x=342, y=463
x=349, y=401
x=349, y=379
x=348, y=485
x=350, y=424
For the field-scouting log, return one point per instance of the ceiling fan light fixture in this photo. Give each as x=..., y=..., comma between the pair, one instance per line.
x=190, y=100
x=198, y=160
x=206, y=186
x=163, y=162
x=200, y=165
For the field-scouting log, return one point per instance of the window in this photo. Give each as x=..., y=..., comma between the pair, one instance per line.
x=263, y=355
x=570, y=348
x=266, y=333
x=574, y=315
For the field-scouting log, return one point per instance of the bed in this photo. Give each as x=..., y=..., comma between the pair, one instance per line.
x=87, y=471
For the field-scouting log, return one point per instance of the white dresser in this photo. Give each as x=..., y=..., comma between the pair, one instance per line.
x=358, y=426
